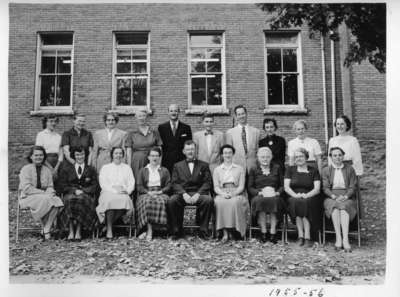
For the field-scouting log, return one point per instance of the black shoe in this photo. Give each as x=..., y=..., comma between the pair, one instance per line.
x=273, y=239
x=308, y=243
x=203, y=235
x=300, y=241
x=263, y=237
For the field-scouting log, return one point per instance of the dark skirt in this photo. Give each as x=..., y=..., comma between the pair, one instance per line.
x=151, y=209
x=268, y=205
x=348, y=205
x=52, y=159
x=310, y=208
x=80, y=208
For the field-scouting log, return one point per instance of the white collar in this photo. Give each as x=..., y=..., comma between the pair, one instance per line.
x=245, y=126
x=337, y=167
x=177, y=123
x=48, y=131
x=151, y=168
x=233, y=165
x=77, y=165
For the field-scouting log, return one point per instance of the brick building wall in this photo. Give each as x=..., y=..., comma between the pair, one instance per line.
x=93, y=27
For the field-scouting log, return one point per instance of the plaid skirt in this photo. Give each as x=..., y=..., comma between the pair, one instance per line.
x=80, y=208
x=151, y=209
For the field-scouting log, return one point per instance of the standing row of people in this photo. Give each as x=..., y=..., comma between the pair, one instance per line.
x=242, y=163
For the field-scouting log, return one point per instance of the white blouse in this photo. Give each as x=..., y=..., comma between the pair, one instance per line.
x=154, y=176
x=349, y=144
x=51, y=141
x=310, y=144
x=112, y=175
x=338, y=179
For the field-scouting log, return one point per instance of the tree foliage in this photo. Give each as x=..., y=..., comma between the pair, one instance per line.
x=366, y=22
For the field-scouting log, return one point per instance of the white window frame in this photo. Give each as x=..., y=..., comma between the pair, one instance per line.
x=300, y=90
x=39, y=49
x=130, y=109
x=198, y=109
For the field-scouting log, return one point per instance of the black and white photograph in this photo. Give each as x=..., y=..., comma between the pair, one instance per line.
x=237, y=143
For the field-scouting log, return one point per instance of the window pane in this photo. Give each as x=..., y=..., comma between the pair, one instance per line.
x=139, y=54
x=56, y=38
x=198, y=90
x=124, y=91
x=281, y=38
x=214, y=60
x=131, y=38
x=274, y=60
x=63, y=62
x=198, y=53
x=48, y=63
x=290, y=88
x=47, y=88
x=124, y=61
x=289, y=60
x=214, y=90
x=274, y=89
x=198, y=66
x=139, y=91
x=204, y=40
x=139, y=67
x=63, y=90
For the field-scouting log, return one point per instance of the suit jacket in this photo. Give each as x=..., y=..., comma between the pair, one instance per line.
x=197, y=182
x=143, y=179
x=234, y=138
x=69, y=181
x=173, y=145
x=349, y=176
x=217, y=141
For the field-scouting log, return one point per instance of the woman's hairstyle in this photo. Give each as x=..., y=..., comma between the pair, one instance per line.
x=36, y=148
x=346, y=120
x=77, y=149
x=226, y=146
x=270, y=120
x=114, y=115
x=79, y=115
x=156, y=149
x=142, y=111
x=334, y=149
x=264, y=149
x=239, y=106
x=115, y=148
x=303, y=151
x=302, y=122
x=48, y=117
x=207, y=115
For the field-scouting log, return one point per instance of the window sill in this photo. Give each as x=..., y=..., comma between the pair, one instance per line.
x=209, y=110
x=51, y=111
x=286, y=111
x=130, y=111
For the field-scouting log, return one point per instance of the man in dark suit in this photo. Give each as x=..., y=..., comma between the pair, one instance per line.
x=191, y=184
x=173, y=133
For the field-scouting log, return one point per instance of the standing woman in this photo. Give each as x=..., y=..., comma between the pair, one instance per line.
x=232, y=207
x=117, y=183
x=37, y=191
x=153, y=185
x=265, y=187
x=275, y=143
x=105, y=139
x=140, y=141
x=302, y=141
x=51, y=141
x=302, y=184
x=79, y=185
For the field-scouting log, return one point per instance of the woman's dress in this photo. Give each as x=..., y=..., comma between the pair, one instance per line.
x=232, y=212
x=112, y=178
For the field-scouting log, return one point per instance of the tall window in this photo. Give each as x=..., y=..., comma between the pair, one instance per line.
x=283, y=69
x=206, y=70
x=131, y=70
x=54, y=71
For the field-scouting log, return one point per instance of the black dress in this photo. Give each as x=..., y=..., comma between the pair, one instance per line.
x=303, y=182
x=257, y=181
x=277, y=145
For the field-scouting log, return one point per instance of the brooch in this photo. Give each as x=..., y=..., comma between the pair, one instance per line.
x=270, y=142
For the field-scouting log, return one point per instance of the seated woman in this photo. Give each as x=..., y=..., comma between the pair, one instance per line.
x=37, y=191
x=79, y=185
x=153, y=184
x=265, y=186
x=339, y=184
x=117, y=183
x=302, y=184
x=231, y=206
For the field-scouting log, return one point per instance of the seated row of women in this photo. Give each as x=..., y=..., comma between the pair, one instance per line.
x=271, y=192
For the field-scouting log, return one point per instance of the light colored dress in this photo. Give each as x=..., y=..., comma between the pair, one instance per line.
x=39, y=201
x=104, y=141
x=352, y=152
x=111, y=176
x=310, y=144
x=233, y=212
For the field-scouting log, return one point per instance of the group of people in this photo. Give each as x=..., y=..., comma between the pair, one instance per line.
x=155, y=173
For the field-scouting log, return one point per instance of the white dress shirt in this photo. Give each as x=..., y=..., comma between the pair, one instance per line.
x=154, y=176
x=338, y=179
x=77, y=167
x=51, y=141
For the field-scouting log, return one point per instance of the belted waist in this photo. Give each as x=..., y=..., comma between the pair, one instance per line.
x=154, y=188
x=228, y=185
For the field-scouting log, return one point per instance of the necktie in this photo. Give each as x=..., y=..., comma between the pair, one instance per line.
x=38, y=182
x=173, y=128
x=79, y=170
x=244, y=139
